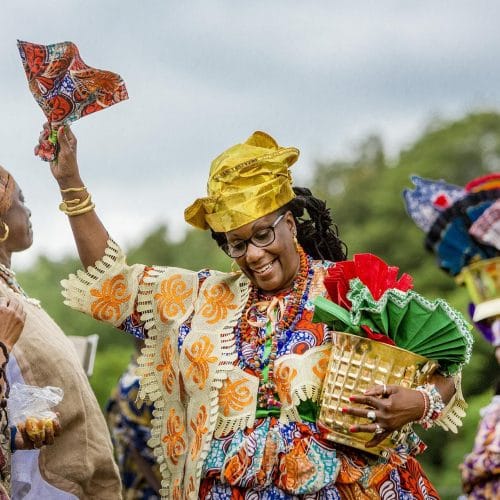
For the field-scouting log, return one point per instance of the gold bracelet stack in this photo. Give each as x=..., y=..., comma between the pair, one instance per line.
x=77, y=206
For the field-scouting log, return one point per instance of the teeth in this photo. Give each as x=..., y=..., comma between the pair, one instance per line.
x=264, y=269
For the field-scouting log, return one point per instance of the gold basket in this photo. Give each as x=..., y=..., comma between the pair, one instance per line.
x=357, y=363
x=482, y=279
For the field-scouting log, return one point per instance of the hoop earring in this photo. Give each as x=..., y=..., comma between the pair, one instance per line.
x=6, y=230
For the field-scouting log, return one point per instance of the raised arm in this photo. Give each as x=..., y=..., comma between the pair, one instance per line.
x=90, y=234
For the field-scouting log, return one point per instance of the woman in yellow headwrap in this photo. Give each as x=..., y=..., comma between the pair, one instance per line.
x=233, y=361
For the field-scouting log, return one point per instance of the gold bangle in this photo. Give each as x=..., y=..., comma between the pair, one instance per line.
x=76, y=204
x=83, y=210
x=73, y=190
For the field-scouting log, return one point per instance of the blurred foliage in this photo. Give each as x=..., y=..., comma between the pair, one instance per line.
x=365, y=195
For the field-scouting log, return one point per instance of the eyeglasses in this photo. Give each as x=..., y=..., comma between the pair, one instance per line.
x=262, y=238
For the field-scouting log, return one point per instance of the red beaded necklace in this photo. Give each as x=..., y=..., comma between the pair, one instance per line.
x=281, y=318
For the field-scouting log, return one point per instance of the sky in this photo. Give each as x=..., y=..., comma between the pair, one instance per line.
x=203, y=75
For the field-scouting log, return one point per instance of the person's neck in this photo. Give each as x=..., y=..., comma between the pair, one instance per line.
x=5, y=257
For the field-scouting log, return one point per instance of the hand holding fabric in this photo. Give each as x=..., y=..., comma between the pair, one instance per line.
x=66, y=88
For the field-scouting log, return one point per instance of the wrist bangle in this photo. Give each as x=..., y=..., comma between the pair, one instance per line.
x=73, y=190
x=435, y=405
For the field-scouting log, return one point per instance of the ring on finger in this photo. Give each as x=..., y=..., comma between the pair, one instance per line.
x=371, y=415
x=378, y=429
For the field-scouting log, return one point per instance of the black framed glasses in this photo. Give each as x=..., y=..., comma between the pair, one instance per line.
x=261, y=238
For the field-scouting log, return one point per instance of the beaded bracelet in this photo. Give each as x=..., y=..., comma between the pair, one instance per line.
x=433, y=405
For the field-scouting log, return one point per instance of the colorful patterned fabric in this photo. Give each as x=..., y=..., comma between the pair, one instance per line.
x=65, y=87
x=206, y=432
x=481, y=468
x=130, y=428
x=429, y=199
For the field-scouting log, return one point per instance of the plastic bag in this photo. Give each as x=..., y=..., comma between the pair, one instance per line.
x=31, y=401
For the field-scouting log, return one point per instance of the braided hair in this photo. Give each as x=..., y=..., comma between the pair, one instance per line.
x=317, y=234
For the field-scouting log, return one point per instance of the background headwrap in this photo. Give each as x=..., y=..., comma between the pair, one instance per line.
x=6, y=190
x=246, y=182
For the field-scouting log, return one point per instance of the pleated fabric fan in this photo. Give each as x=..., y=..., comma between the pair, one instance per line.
x=377, y=305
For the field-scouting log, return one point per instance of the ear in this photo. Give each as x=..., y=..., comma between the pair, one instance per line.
x=290, y=222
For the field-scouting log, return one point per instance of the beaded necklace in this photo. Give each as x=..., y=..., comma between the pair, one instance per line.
x=9, y=277
x=280, y=319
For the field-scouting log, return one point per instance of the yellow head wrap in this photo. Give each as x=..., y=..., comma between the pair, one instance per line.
x=246, y=182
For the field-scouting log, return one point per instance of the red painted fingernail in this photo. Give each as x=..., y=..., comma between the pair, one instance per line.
x=352, y=428
x=344, y=410
x=351, y=398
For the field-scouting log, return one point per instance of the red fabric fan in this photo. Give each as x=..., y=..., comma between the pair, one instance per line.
x=371, y=271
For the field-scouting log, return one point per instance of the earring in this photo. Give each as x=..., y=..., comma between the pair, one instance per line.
x=6, y=230
x=296, y=241
x=234, y=267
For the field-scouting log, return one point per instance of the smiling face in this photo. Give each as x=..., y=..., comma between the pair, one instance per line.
x=274, y=267
x=18, y=219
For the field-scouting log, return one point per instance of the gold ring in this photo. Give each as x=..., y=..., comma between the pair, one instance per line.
x=378, y=429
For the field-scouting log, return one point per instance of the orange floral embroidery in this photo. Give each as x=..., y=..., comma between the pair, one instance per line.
x=199, y=356
x=190, y=488
x=170, y=299
x=298, y=468
x=199, y=429
x=218, y=301
x=109, y=298
x=283, y=377
x=319, y=369
x=174, y=437
x=167, y=356
x=234, y=396
x=177, y=490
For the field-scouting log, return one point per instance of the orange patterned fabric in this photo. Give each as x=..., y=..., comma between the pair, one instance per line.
x=110, y=297
x=167, y=366
x=218, y=301
x=283, y=377
x=174, y=437
x=199, y=427
x=171, y=299
x=234, y=395
x=200, y=358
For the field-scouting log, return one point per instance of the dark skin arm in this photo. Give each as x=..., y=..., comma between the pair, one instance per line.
x=90, y=234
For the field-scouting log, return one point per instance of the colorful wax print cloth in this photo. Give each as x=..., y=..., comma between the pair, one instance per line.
x=65, y=87
x=130, y=429
x=481, y=468
x=214, y=433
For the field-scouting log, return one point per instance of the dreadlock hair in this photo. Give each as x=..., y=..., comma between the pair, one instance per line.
x=317, y=234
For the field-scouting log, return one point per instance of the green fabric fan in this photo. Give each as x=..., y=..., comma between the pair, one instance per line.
x=432, y=329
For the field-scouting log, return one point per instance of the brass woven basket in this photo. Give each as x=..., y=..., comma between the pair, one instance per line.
x=356, y=363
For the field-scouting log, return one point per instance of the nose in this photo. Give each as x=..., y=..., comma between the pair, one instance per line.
x=253, y=253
